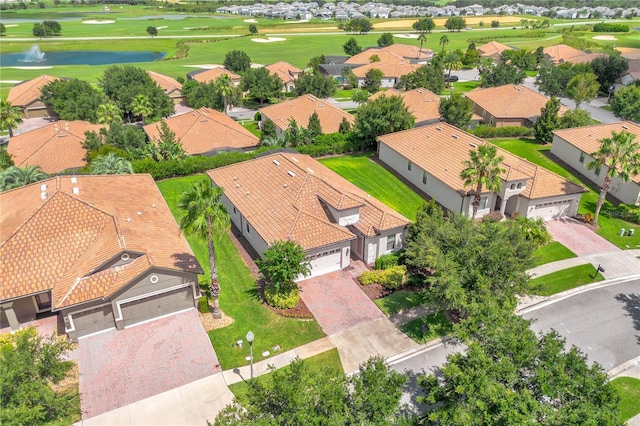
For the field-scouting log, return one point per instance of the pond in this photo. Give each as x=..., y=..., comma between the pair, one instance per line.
x=33, y=57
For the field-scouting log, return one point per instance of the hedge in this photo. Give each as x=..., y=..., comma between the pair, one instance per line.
x=392, y=278
x=625, y=212
x=203, y=305
x=610, y=28
x=483, y=131
x=387, y=261
x=281, y=300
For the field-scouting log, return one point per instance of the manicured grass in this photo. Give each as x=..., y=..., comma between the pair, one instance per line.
x=377, y=181
x=461, y=87
x=629, y=390
x=427, y=328
x=531, y=73
x=239, y=298
x=401, y=300
x=344, y=94
x=552, y=252
x=329, y=359
x=251, y=126
x=565, y=279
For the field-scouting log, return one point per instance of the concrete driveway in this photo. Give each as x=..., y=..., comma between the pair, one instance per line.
x=118, y=368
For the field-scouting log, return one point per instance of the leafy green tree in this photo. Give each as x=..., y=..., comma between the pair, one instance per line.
x=268, y=128
x=575, y=118
x=260, y=84
x=237, y=61
x=626, y=103
x=548, y=121
x=608, y=69
x=110, y=164
x=296, y=136
x=372, y=80
x=495, y=24
x=15, y=177
x=208, y=95
x=31, y=364
x=444, y=40
x=429, y=77
x=315, y=62
x=424, y=25
x=348, y=77
x=3, y=29
x=165, y=147
x=52, y=28
x=107, y=113
x=140, y=106
x=345, y=126
x=73, y=99
x=130, y=139
x=10, y=116
x=583, y=88
x=501, y=74
x=455, y=23
x=314, y=125
x=358, y=25
x=152, y=31
x=456, y=110
x=522, y=59
x=387, y=114
x=360, y=96
x=351, y=47
x=5, y=158
x=253, y=29
x=204, y=216
x=482, y=170
x=553, y=80
x=315, y=84
x=386, y=39
x=282, y=263
x=620, y=154
x=224, y=87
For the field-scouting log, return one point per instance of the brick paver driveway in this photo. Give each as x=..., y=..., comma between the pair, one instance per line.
x=121, y=367
x=578, y=238
x=337, y=302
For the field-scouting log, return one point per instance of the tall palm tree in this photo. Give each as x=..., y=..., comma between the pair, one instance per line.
x=141, y=106
x=452, y=62
x=108, y=113
x=204, y=215
x=10, y=116
x=621, y=155
x=422, y=38
x=15, y=177
x=483, y=170
x=110, y=164
x=224, y=86
x=444, y=40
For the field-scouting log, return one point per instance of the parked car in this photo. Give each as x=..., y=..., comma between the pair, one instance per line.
x=448, y=78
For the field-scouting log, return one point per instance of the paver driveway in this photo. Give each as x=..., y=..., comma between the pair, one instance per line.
x=578, y=238
x=121, y=367
x=337, y=302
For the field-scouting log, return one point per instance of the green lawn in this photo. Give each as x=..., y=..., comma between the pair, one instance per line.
x=239, y=298
x=251, y=126
x=461, y=87
x=427, y=328
x=552, y=252
x=565, y=279
x=400, y=300
x=377, y=181
x=329, y=359
x=629, y=390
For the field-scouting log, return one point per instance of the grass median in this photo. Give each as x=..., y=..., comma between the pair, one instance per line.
x=564, y=280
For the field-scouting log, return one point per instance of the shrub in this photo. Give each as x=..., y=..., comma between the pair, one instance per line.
x=386, y=261
x=483, y=131
x=493, y=216
x=625, y=212
x=610, y=28
x=588, y=217
x=282, y=299
x=391, y=278
x=203, y=305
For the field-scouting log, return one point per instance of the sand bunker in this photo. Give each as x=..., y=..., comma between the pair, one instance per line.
x=605, y=37
x=205, y=66
x=96, y=22
x=162, y=28
x=406, y=35
x=251, y=21
x=11, y=25
x=629, y=52
x=297, y=22
x=268, y=39
x=31, y=68
x=257, y=65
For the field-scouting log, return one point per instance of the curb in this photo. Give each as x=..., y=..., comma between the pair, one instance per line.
x=616, y=371
x=395, y=359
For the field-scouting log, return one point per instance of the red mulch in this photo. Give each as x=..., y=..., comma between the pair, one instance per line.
x=373, y=291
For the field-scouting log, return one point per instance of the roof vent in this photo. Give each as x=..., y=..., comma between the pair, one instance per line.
x=76, y=190
x=128, y=219
x=153, y=206
x=285, y=186
x=455, y=136
x=139, y=212
x=290, y=173
x=320, y=105
x=203, y=120
x=43, y=187
x=310, y=170
x=235, y=178
x=74, y=180
x=66, y=126
x=55, y=127
x=517, y=88
x=276, y=162
x=625, y=127
x=43, y=195
x=248, y=192
x=439, y=129
x=237, y=185
x=294, y=159
x=62, y=135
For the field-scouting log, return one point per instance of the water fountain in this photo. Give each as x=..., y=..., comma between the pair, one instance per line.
x=33, y=55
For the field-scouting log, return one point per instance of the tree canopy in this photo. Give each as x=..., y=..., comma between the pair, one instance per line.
x=456, y=110
x=260, y=84
x=424, y=25
x=583, y=88
x=386, y=39
x=387, y=114
x=315, y=84
x=152, y=31
x=358, y=25
x=237, y=61
x=282, y=263
x=626, y=103
x=553, y=80
x=73, y=99
x=608, y=69
x=500, y=75
x=372, y=80
x=455, y=23
x=548, y=121
x=351, y=47
x=429, y=77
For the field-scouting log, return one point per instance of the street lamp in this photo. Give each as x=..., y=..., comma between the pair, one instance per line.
x=250, y=338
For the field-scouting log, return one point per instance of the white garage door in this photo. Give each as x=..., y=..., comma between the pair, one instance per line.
x=551, y=210
x=326, y=263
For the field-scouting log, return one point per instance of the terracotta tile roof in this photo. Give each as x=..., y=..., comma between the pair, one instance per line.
x=408, y=51
x=510, y=101
x=167, y=83
x=207, y=76
x=285, y=196
x=587, y=139
x=422, y=104
x=393, y=53
x=54, y=147
x=493, y=48
x=389, y=69
x=27, y=92
x=284, y=70
x=301, y=108
x=61, y=240
x=562, y=53
x=441, y=150
x=205, y=130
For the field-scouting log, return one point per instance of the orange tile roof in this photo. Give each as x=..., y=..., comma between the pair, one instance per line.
x=284, y=70
x=27, y=92
x=389, y=69
x=54, y=147
x=167, y=83
x=441, y=150
x=587, y=139
x=207, y=76
x=408, y=51
x=561, y=53
x=205, y=130
x=422, y=104
x=492, y=48
x=284, y=195
x=510, y=101
x=393, y=53
x=58, y=241
x=301, y=108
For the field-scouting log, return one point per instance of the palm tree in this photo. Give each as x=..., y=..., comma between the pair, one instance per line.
x=483, y=170
x=141, y=106
x=205, y=215
x=10, y=116
x=272, y=140
x=422, y=38
x=452, y=62
x=110, y=164
x=224, y=86
x=444, y=40
x=15, y=177
x=108, y=113
x=621, y=155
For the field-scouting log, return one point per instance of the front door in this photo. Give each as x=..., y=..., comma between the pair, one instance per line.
x=43, y=301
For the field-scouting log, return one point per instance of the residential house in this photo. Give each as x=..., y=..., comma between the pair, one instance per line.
x=55, y=147
x=287, y=73
x=393, y=53
x=211, y=75
x=633, y=73
x=290, y=196
x=391, y=72
x=27, y=97
x=561, y=53
x=575, y=147
x=301, y=109
x=206, y=131
x=102, y=251
x=432, y=157
x=422, y=104
x=492, y=50
x=508, y=105
x=170, y=86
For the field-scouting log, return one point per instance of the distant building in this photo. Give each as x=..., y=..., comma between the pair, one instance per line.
x=27, y=96
x=171, y=87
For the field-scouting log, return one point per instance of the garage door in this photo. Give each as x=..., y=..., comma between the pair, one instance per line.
x=551, y=210
x=326, y=263
x=157, y=306
x=94, y=320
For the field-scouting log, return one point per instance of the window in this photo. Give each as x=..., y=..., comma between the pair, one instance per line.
x=513, y=186
x=582, y=157
x=424, y=178
x=235, y=211
x=409, y=164
x=248, y=230
x=484, y=200
x=597, y=171
x=520, y=185
x=391, y=242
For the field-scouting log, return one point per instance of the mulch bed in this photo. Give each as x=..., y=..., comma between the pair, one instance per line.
x=373, y=291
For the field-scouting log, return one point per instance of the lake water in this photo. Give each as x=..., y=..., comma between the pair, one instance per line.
x=79, y=57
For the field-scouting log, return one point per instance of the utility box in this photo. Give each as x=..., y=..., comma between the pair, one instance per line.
x=622, y=232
